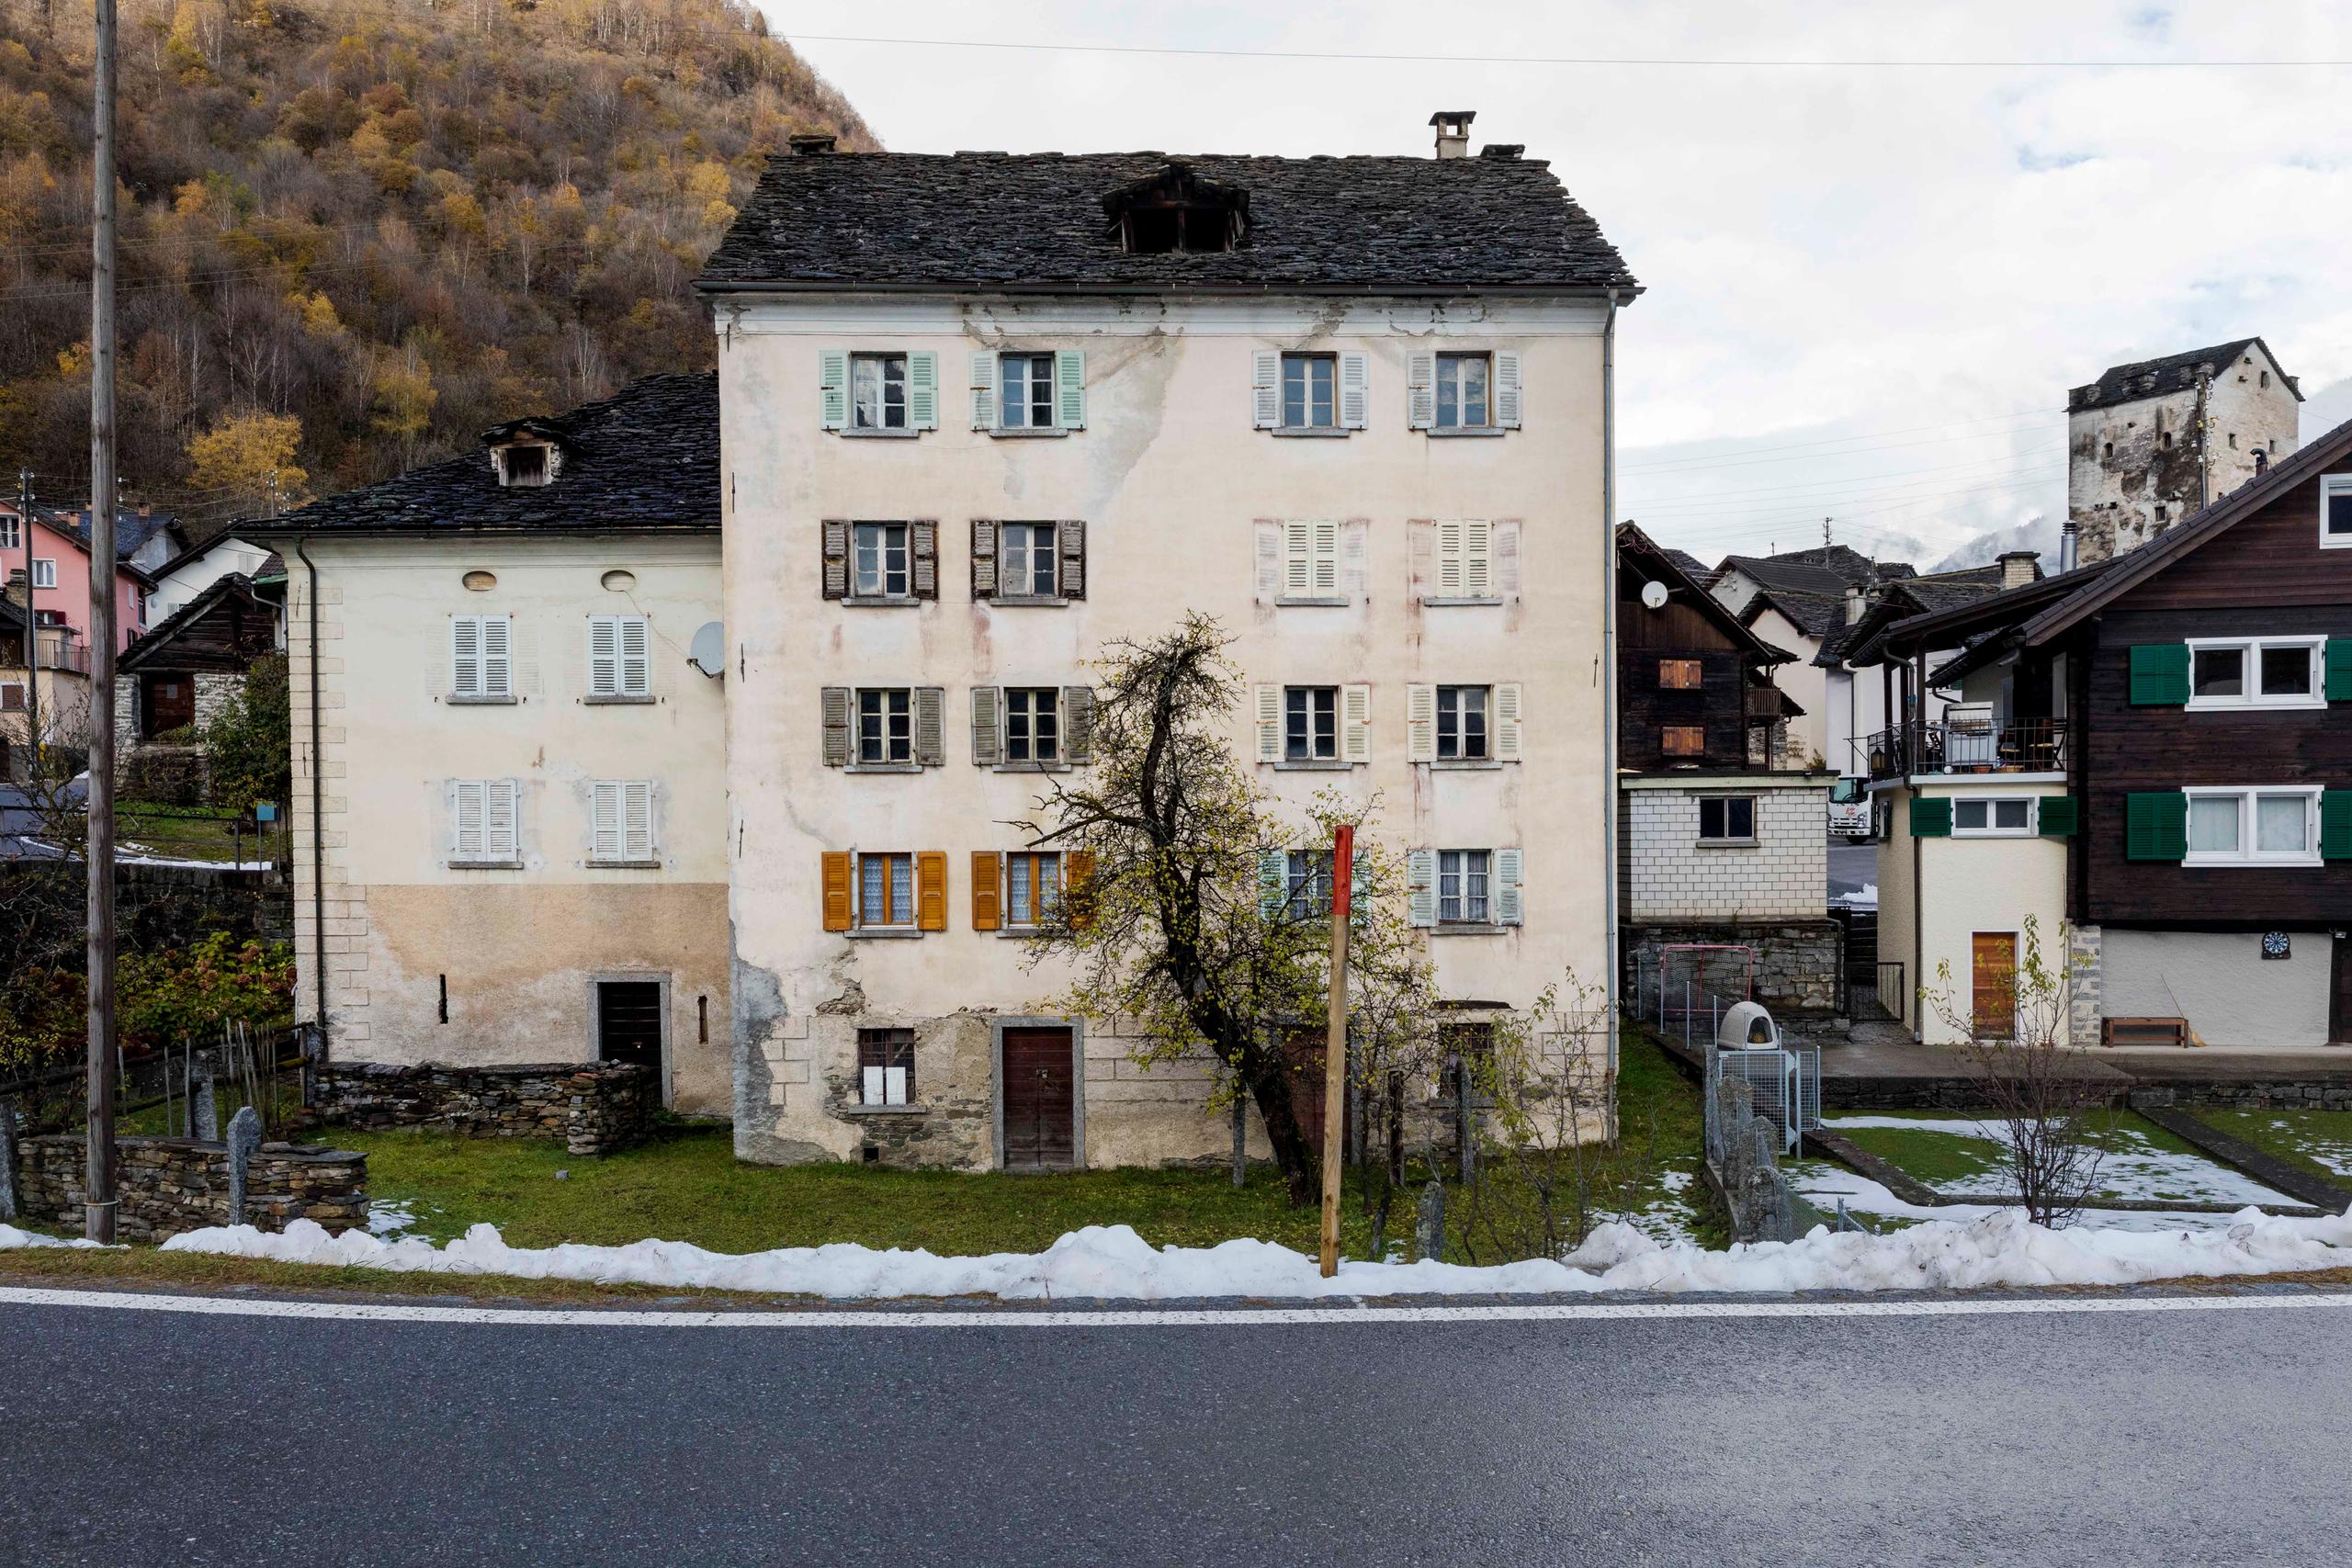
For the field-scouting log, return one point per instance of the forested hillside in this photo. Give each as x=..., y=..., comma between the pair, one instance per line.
x=355, y=234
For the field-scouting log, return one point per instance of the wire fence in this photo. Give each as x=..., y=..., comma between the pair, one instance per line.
x=186, y=1089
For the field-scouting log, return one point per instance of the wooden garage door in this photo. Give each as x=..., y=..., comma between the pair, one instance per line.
x=1994, y=984
x=1040, y=1092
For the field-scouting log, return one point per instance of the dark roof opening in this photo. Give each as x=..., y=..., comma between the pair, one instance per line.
x=1177, y=209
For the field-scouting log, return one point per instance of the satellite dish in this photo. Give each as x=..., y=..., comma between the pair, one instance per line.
x=708, y=652
x=1654, y=596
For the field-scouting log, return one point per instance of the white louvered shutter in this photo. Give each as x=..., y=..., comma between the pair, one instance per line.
x=637, y=820
x=1421, y=724
x=1298, y=559
x=604, y=655
x=1356, y=381
x=605, y=819
x=1505, y=892
x=468, y=808
x=1478, y=561
x=1265, y=388
x=1070, y=388
x=984, y=388
x=637, y=656
x=1355, y=724
x=465, y=656
x=931, y=717
x=1507, y=720
x=1449, y=559
x=497, y=656
x=1504, y=545
x=923, y=390
x=1270, y=560
x=1078, y=725
x=1325, y=543
x=923, y=553
x=1506, y=390
x=987, y=726
x=1420, y=398
x=500, y=835
x=983, y=558
x=1420, y=877
x=836, y=707
x=1270, y=724
x=832, y=384
x=1355, y=572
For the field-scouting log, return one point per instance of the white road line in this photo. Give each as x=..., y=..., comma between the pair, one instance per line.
x=1154, y=1317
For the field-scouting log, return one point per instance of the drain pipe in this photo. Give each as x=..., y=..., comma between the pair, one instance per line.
x=318, y=814
x=1609, y=847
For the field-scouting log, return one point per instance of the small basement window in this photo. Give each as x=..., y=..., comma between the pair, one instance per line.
x=1726, y=818
x=886, y=1066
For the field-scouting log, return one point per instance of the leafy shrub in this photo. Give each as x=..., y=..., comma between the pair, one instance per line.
x=249, y=741
x=193, y=991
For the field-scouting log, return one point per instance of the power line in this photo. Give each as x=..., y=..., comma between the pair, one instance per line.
x=797, y=39
x=1667, y=464
x=1860, y=484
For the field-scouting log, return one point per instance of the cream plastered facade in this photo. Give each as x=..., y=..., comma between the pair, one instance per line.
x=1171, y=479
x=521, y=950
x=1959, y=887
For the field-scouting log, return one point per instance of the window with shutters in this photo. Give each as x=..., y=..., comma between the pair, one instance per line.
x=1033, y=724
x=881, y=563
x=886, y=891
x=886, y=1066
x=1461, y=723
x=1306, y=883
x=620, y=663
x=1993, y=816
x=877, y=385
x=2256, y=673
x=2336, y=512
x=1462, y=400
x=485, y=825
x=481, y=659
x=1028, y=557
x=1726, y=818
x=2253, y=827
x=621, y=822
x=1466, y=560
x=1683, y=739
x=1463, y=878
x=1680, y=674
x=1033, y=888
x=1310, y=390
x=1310, y=723
x=1310, y=563
x=885, y=725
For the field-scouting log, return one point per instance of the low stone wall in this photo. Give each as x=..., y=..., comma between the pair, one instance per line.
x=2250, y=1094
x=596, y=1108
x=1797, y=962
x=170, y=1185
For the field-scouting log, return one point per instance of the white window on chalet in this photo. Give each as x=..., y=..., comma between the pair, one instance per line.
x=2256, y=673
x=485, y=823
x=2336, y=512
x=1028, y=392
x=879, y=393
x=621, y=822
x=1993, y=816
x=1310, y=394
x=2253, y=827
x=481, y=659
x=620, y=662
x=1451, y=393
x=9, y=538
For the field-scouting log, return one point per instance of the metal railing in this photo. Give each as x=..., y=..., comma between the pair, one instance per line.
x=72, y=658
x=1874, y=989
x=1967, y=746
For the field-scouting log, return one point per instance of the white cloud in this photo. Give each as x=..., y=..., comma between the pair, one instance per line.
x=1829, y=252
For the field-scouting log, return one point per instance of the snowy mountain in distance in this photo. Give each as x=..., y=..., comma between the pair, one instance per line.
x=2040, y=534
x=2325, y=409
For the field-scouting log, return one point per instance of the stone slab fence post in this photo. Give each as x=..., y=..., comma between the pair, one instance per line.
x=8, y=1156
x=245, y=1142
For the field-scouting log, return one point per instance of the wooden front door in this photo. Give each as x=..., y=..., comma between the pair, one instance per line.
x=169, y=702
x=1040, y=1091
x=1993, y=990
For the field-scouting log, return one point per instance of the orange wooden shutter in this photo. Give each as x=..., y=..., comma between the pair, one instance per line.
x=930, y=891
x=836, y=883
x=988, y=895
x=1078, y=887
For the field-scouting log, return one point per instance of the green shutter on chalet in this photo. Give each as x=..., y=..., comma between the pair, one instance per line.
x=2159, y=674
x=2340, y=670
x=2059, y=816
x=2336, y=824
x=1931, y=817
x=2155, y=826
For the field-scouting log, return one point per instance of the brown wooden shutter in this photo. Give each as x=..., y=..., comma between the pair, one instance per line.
x=836, y=557
x=925, y=537
x=836, y=706
x=931, y=709
x=987, y=749
x=1078, y=725
x=987, y=890
x=931, y=890
x=1070, y=534
x=835, y=879
x=984, y=556
x=1077, y=887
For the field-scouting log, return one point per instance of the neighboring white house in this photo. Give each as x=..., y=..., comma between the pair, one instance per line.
x=180, y=579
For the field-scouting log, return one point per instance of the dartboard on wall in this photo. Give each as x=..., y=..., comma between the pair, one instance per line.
x=2276, y=945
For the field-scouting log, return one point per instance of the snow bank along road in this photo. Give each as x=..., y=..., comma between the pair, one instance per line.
x=1708, y=1432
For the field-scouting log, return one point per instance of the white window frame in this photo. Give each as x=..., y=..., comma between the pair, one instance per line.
x=8, y=526
x=620, y=821
x=1486, y=748
x=1486, y=915
x=620, y=658
x=905, y=550
x=1990, y=802
x=857, y=727
x=1041, y=753
x=493, y=672
x=2250, y=827
x=2331, y=486
x=1450, y=418
x=486, y=800
x=2251, y=648
x=1754, y=809
x=857, y=889
x=1307, y=358
x=1313, y=736
x=44, y=571
x=881, y=359
x=1021, y=415
x=1037, y=528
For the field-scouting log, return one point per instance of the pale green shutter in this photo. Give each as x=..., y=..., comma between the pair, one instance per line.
x=923, y=390
x=1273, y=882
x=1506, y=889
x=984, y=388
x=1070, y=388
x=833, y=379
x=1420, y=876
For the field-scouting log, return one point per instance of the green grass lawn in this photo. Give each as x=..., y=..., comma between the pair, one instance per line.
x=2319, y=1142
x=2142, y=1160
x=185, y=832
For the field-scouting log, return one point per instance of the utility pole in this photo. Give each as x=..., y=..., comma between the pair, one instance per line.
x=2204, y=421
x=1335, y=1044
x=32, y=635
x=99, y=1184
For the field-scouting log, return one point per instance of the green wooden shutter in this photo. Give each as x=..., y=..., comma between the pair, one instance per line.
x=1070, y=388
x=2159, y=674
x=2059, y=816
x=2336, y=824
x=2340, y=670
x=2155, y=826
x=1273, y=882
x=1931, y=817
x=923, y=390
x=832, y=381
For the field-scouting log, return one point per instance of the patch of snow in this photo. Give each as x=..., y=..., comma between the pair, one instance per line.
x=1822, y=1184
x=1113, y=1262
x=11, y=1237
x=2132, y=1167
x=389, y=1217
x=1862, y=897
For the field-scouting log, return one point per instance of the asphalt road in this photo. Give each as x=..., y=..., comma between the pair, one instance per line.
x=2176, y=1438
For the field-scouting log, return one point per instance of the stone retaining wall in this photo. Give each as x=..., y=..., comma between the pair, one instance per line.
x=2251, y=1094
x=1797, y=962
x=596, y=1108
x=170, y=1185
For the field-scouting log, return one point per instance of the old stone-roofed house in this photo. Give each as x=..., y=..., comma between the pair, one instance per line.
x=1798, y=600
x=179, y=675
x=2151, y=442
x=986, y=413
x=525, y=849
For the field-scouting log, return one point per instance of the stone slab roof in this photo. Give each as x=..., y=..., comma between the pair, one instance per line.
x=645, y=457
x=2173, y=373
x=1036, y=222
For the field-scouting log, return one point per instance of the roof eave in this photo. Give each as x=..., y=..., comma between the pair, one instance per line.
x=1623, y=293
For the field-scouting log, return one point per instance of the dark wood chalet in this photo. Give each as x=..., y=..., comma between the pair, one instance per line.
x=207, y=643
x=1695, y=685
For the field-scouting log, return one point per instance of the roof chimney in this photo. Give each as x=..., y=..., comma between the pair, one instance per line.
x=810, y=143
x=2069, y=545
x=2020, y=568
x=1858, y=604
x=1452, y=132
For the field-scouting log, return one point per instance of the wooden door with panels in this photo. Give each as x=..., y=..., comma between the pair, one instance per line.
x=1993, y=989
x=1038, y=1084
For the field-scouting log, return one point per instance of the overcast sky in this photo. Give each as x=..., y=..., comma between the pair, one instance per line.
x=1869, y=286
